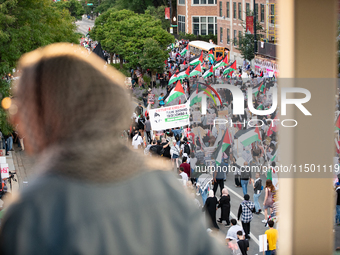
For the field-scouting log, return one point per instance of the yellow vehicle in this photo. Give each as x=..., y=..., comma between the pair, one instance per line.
x=195, y=48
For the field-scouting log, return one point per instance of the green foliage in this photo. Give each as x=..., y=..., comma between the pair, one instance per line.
x=159, y=13
x=105, y=5
x=89, y=8
x=5, y=127
x=73, y=6
x=147, y=79
x=153, y=56
x=26, y=25
x=125, y=70
x=125, y=33
x=245, y=44
x=192, y=37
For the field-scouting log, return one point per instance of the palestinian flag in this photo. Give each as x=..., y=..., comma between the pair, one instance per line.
x=175, y=92
x=273, y=127
x=219, y=58
x=204, y=66
x=274, y=156
x=222, y=63
x=173, y=79
x=231, y=68
x=197, y=60
x=218, y=154
x=260, y=107
x=337, y=123
x=208, y=72
x=184, y=74
x=211, y=56
x=196, y=71
x=248, y=136
x=195, y=100
x=258, y=88
x=184, y=63
x=185, y=50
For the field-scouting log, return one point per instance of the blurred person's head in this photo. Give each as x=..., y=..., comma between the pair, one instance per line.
x=271, y=224
x=211, y=193
x=71, y=110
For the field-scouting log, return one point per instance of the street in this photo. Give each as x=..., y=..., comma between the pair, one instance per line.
x=84, y=24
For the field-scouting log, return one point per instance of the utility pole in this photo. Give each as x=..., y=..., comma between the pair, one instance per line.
x=255, y=41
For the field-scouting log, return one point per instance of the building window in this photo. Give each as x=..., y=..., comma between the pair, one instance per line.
x=181, y=24
x=272, y=13
x=228, y=9
x=257, y=12
x=181, y=1
x=196, y=25
x=239, y=10
x=228, y=35
x=215, y=25
x=204, y=25
x=234, y=38
x=262, y=12
x=220, y=9
x=211, y=23
x=221, y=35
x=202, y=1
x=239, y=38
x=247, y=9
x=235, y=11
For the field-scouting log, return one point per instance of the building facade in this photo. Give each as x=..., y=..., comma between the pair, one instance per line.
x=197, y=17
x=226, y=19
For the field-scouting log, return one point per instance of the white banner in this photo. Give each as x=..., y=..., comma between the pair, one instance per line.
x=169, y=117
x=4, y=171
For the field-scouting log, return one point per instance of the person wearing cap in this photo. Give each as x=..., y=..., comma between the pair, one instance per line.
x=245, y=212
x=337, y=190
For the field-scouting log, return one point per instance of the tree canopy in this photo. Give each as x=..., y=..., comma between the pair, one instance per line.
x=26, y=25
x=126, y=32
x=245, y=43
x=73, y=6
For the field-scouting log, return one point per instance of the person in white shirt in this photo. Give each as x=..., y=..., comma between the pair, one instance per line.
x=232, y=232
x=183, y=174
x=137, y=141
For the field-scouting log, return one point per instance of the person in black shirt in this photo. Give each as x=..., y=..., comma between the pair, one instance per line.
x=224, y=204
x=243, y=244
x=337, y=217
x=139, y=109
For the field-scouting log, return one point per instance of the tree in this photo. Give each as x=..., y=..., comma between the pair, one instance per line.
x=245, y=43
x=159, y=13
x=153, y=56
x=125, y=32
x=73, y=6
x=26, y=25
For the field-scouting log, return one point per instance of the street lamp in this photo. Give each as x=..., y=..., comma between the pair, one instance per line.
x=174, y=19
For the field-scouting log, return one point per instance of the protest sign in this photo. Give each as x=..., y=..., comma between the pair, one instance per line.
x=4, y=171
x=169, y=117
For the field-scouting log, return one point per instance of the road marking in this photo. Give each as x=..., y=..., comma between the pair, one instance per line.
x=251, y=235
x=240, y=197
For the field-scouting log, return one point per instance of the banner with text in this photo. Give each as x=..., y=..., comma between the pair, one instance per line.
x=169, y=117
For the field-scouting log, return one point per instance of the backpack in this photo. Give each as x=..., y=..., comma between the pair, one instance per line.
x=153, y=150
x=186, y=149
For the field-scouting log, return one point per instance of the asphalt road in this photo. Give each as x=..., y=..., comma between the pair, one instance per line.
x=84, y=25
x=236, y=196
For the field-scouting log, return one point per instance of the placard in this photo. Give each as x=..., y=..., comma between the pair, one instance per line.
x=263, y=243
x=169, y=117
x=151, y=98
x=196, y=117
x=4, y=171
x=2, y=160
x=210, y=118
x=2, y=153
